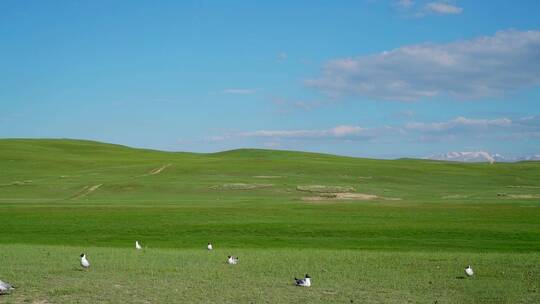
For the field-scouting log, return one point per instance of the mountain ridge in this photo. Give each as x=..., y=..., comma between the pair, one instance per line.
x=480, y=156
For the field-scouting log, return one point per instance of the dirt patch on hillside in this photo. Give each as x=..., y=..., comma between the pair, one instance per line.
x=17, y=183
x=347, y=196
x=325, y=189
x=520, y=196
x=240, y=186
x=86, y=190
x=455, y=196
x=520, y=186
x=154, y=171
x=158, y=170
x=517, y=196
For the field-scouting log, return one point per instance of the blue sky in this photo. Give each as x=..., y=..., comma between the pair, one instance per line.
x=381, y=79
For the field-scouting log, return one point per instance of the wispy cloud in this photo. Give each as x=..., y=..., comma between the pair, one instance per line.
x=282, y=57
x=462, y=127
x=459, y=122
x=239, y=91
x=404, y=3
x=423, y=8
x=443, y=8
x=285, y=105
x=458, y=128
x=406, y=114
x=217, y=138
x=469, y=69
x=272, y=144
x=341, y=131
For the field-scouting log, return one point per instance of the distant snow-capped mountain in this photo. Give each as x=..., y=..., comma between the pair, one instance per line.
x=475, y=156
x=480, y=156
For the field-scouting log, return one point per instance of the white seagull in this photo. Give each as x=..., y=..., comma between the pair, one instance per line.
x=209, y=246
x=305, y=282
x=232, y=260
x=468, y=271
x=137, y=245
x=5, y=288
x=84, y=261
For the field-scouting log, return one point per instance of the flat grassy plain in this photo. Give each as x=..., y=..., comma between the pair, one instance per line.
x=59, y=198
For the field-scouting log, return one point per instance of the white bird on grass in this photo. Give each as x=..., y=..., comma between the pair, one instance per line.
x=137, y=245
x=468, y=271
x=209, y=247
x=232, y=260
x=84, y=261
x=5, y=288
x=305, y=282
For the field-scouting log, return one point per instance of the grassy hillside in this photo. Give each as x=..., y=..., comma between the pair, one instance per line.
x=46, y=187
x=405, y=217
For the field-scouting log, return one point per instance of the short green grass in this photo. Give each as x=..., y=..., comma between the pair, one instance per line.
x=62, y=197
x=52, y=273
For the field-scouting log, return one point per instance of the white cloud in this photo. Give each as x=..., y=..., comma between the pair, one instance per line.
x=459, y=122
x=404, y=3
x=500, y=122
x=272, y=144
x=217, y=138
x=495, y=129
x=285, y=105
x=529, y=121
x=459, y=127
x=469, y=69
x=282, y=57
x=341, y=131
x=282, y=133
x=406, y=114
x=239, y=91
x=453, y=130
x=443, y=8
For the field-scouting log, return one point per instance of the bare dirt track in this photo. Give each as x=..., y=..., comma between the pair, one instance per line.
x=86, y=190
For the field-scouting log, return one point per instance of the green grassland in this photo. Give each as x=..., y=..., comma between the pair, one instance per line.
x=410, y=244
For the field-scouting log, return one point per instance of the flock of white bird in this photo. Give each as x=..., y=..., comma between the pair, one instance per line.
x=6, y=288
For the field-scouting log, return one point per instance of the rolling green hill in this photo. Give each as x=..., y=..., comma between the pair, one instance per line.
x=368, y=231
x=89, y=193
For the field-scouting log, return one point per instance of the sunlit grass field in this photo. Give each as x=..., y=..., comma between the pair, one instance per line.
x=51, y=274
x=409, y=242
